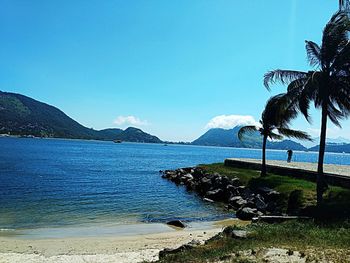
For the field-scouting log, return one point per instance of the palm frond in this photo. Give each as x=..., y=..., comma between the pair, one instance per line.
x=313, y=52
x=341, y=61
x=335, y=37
x=246, y=129
x=279, y=110
x=284, y=77
x=275, y=136
x=294, y=133
x=334, y=114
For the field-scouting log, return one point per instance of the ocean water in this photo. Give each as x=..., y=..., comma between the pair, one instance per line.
x=63, y=183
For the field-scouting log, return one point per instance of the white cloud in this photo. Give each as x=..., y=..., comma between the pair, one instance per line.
x=130, y=120
x=230, y=121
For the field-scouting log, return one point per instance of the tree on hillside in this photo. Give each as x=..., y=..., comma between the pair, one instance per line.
x=274, y=124
x=327, y=85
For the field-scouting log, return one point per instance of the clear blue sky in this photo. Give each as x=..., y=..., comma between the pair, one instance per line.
x=172, y=65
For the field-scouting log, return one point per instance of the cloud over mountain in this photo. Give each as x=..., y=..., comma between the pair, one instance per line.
x=130, y=120
x=230, y=121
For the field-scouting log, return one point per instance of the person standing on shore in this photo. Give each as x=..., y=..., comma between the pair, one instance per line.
x=290, y=155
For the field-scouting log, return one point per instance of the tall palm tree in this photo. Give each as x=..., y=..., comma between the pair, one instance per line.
x=274, y=124
x=327, y=85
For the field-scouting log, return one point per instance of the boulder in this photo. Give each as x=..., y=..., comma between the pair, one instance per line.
x=247, y=213
x=234, y=233
x=208, y=200
x=249, y=203
x=235, y=182
x=167, y=251
x=176, y=223
x=190, y=185
x=204, y=185
x=268, y=193
x=237, y=202
x=216, y=195
x=197, y=172
x=188, y=176
x=260, y=203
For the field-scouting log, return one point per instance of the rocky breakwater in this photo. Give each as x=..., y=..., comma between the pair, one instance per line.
x=213, y=187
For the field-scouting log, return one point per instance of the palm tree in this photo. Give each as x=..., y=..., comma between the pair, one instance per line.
x=276, y=116
x=327, y=85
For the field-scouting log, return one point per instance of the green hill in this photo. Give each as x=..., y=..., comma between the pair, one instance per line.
x=229, y=138
x=136, y=135
x=21, y=115
x=334, y=147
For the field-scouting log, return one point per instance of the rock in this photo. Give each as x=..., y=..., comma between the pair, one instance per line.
x=273, y=195
x=188, y=176
x=245, y=192
x=167, y=251
x=176, y=223
x=246, y=213
x=250, y=204
x=190, y=185
x=194, y=243
x=235, y=182
x=197, y=172
x=260, y=203
x=237, y=202
x=235, y=233
x=208, y=200
x=268, y=193
x=203, y=185
x=216, y=195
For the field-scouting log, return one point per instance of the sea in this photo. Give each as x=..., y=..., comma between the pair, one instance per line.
x=55, y=183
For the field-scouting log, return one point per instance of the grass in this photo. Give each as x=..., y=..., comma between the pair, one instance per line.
x=328, y=235
x=337, y=199
x=291, y=235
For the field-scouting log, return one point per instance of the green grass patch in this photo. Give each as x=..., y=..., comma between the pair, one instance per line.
x=329, y=231
x=290, y=235
x=336, y=199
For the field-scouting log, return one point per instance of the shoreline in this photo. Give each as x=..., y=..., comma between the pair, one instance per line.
x=106, y=248
x=103, y=230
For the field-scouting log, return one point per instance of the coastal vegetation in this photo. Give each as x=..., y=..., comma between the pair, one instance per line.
x=298, y=241
x=327, y=85
x=274, y=124
x=326, y=235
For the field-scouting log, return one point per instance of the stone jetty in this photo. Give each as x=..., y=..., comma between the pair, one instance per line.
x=213, y=187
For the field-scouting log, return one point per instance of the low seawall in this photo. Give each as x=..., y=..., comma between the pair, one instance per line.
x=283, y=168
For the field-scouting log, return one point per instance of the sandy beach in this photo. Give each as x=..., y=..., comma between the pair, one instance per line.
x=121, y=249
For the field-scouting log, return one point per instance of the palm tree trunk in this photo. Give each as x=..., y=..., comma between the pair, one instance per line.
x=321, y=182
x=263, y=166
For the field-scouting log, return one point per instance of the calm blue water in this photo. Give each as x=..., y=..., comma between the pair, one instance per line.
x=53, y=182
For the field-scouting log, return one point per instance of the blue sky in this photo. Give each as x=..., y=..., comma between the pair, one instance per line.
x=168, y=67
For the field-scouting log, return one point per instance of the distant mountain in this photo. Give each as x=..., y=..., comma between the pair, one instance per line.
x=229, y=138
x=21, y=115
x=316, y=141
x=333, y=147
x=136, y=135
x=286, y=145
